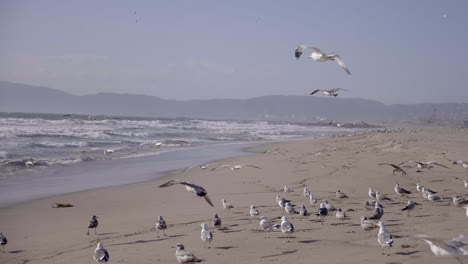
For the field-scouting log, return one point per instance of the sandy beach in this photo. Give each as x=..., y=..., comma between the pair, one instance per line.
x=38, y=233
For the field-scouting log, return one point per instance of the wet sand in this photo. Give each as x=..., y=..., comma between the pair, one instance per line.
x=38, y=233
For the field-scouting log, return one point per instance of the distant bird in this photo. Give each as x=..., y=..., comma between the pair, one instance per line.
x=3, y=241
x=101, y=254
x=253, y=212
x=312, y=199
x=340, y=215
x=216, y=221
x=331, y=92
x=161, y=225
x=370, y=204
x=267, y=225
x=29, y=164
x=428, y=165
x=458, y=200
x=169, y=141
x=206, y=235
x=329, y=206
x=381, y=197
x=198, y=190
x=377, y=213
x=432, y=197
x=372, y=193
x=202, y=167
x=396, y=168
x=286, y=189
x=236, y=167
x=465, y=207
x=409, y=207
x=319, y=56
x=286, y=227
x=109, y=151
x=419, y=187
x=93, y=223
x=227, y=205
x=303, y=211
x=322, y=212
x=465, y=183
x=400, y=190
x=281, y=201
x=427, y=190
x=306, y=192
x=184, y=256
x=340, y=195
x=457, y=247
x=384, y=237
x=367, y=224
x=289, y=208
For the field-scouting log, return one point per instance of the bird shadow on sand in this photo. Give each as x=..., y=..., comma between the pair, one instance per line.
x=139, y=242
x=16, y=251
x=224, y=248
x=110, y=233
x=407, y=253
x=281, y=254
x=422, y=215
x=307, y=241
x=232, y=231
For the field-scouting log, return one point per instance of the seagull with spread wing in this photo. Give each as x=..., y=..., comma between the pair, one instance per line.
x=331, y=92
x=318, y=55
x=236, y=167
x=198, y=190
x=397, y=168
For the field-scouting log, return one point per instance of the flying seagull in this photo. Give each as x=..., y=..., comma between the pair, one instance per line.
x=201, y=166
x=198, y=190
x=101, y=254
x=397, y=168
x=318, y=55
x=236, y=167
x=332, y=92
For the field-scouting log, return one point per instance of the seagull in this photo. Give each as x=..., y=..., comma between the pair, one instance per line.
x=329, y=206
x=454, y=248
x=161, y=225
x=340, y=215
x=378, y=212
x=289, y=208
x=306, y=192
x=198, y=190
x=318, y=55
x=303, y=211
x=253, y=211
x=267, y=224
x=322, y=212
x=101, y=254
x=419, y=187
x=281, y=201
x=409, y=207
x=184, y=256
x=372, y=193
x=465, y=183
x=216, y=221
x=93, y=223
x=370, y=204
x=312, y=199
x=3, y=241
x=286, y=227
x=159, y=144
x=400, y=190
x=367, y=224
x=227, y=205
x=432, y=197
x=331, y=92
x=458, y=200
x=236, y=167
x=397, y=168
x=381, y=196
x=109, y=151
x=286, y=189
x=384, y=237
x=340, y=195
x=202, y=166
x=465, y=207
x=206, y=235
x=428, y=164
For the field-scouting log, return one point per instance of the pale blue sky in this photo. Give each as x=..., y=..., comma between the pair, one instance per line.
x=397, y=51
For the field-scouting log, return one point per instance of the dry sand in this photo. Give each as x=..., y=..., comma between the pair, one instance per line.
x=38, y=233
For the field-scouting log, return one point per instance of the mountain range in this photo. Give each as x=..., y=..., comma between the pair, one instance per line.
x=15, y=97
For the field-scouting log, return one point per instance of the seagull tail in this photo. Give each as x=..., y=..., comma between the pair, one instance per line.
x=208, y=200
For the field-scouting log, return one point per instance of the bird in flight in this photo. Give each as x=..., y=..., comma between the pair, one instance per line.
x=332, y=92
x=198, y=190
x=318, y=55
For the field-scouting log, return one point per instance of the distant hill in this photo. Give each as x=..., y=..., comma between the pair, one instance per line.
x=16, y=97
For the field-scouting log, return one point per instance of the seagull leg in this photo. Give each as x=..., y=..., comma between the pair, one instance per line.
x=95, y=230
x=87, y=232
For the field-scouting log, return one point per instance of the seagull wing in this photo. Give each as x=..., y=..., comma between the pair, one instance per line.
x=170, y=183
x=435, y=163
x=251, y=166
x=315, y=91
x=222, y=166
x=208, y=200
x=338, y=59
x=334, y=90
x=101, y=255
x=186, y=169
x=393, y=165
x=316, y=50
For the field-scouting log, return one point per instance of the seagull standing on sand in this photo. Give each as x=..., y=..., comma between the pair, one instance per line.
x=281, y=201
x=400, y=190
x=267, y=225
x=340, y=215
x=453, y=248
x=101, y=254
x=3, y=241
x=161, y=225
x=184, y=256
x=428, y=165
x=378, y=212
x=367, y=224
x=371, y=193
x=381, y=196
x=286, y=227
x=93, y=223
x=227, y=205
x=289, y=208
x=458, y=200
x=322, y=212
x=253, y=212
x=216, y=221
x=340, y=195
x=206, y=235
x=312, y=199
x=465, y=207
x=306, y=192
x=303, y=211
x=319, y=56
x=384, y=237
x=331, y=92
x=198, y=190
x=286, y=189
x=329, y=206
x=409, y=207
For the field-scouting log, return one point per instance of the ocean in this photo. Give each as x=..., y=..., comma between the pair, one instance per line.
x=37, y=150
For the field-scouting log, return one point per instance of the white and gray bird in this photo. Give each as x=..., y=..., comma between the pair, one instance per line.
x=340, y=215
x=367, y=224
x=227, y=205
x=370, y=204
x=216, y=221
x=303, y=211
x=253, y=212
x=458, y=200
x=93, y=223
x=384, y=237
x=281, y=201
x=267, y=225
x=409, y=206
x=289, y=208
x=322, y=212
x=319, y=56
x=3, y=241
x=101, y=254
x=206, y=235
x=381, y=197
x=331, y=92
x=400, y=190
x=184, y=256
x=286, y=227
x=340, y=195
x=198, y=190
x=428, y=165
x=396, y=168
x=378, y=212
x=306, y=192
x=312, y=199
x=236, y=167
x=161, y=225
x=456, y=247
x=465, y=207
x=329, y=206
x=287, y=189
x=371, y=193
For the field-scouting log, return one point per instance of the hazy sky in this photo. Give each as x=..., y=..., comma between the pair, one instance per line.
x=397, y=51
